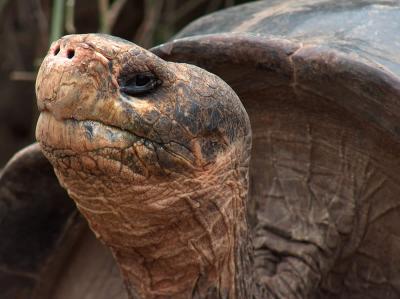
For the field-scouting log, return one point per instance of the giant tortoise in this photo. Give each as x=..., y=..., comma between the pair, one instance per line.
x=290, y=192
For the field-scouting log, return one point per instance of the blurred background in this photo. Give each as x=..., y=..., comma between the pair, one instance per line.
x=27, y=27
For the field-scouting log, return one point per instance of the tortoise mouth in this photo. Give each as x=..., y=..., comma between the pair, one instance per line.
x=95, y=148
x=82, y=135
x=91, y=146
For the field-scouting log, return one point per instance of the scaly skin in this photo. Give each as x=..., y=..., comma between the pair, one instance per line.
x=162, y=178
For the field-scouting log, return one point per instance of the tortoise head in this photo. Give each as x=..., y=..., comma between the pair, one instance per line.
x=100, y=94
x=155, y=154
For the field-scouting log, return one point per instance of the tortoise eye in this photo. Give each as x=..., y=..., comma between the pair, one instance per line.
x=139, y=84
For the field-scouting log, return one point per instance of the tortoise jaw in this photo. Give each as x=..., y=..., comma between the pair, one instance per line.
x=88, y=146
x=80, y=135
x=106, y=150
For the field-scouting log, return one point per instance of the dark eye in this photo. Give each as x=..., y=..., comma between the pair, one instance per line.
x=139, y=84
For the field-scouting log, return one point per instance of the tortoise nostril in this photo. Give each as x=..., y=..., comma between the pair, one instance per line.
x=57, y=50
x=70, y=53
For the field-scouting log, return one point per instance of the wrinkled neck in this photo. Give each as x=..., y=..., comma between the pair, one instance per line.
x=175, y=237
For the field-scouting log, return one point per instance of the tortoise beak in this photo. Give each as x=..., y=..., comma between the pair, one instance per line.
x=71, y=72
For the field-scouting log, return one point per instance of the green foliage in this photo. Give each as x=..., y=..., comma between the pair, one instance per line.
x=57, y=20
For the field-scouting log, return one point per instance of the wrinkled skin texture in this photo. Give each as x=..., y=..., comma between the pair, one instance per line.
x=162, y=178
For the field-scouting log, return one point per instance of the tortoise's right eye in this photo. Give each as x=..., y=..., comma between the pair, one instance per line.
x=142, y=80
x=139, y=84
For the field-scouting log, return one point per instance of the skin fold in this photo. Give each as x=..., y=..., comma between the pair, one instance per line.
x=161, y=177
